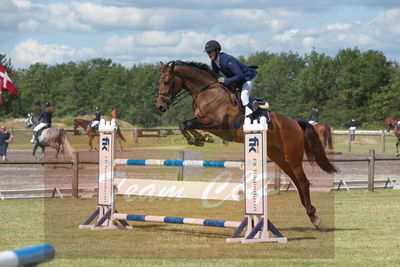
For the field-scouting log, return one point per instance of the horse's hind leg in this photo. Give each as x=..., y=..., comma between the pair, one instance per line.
x=397, y=148
x=300, y=180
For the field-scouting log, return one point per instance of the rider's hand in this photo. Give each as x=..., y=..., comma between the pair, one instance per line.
x=221, y=79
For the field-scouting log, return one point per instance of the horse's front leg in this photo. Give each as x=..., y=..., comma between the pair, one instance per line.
x=34, y=150
x=188, y=129
x=42, y=154
x=90, y=143
x=183, y=126
x=397, y=148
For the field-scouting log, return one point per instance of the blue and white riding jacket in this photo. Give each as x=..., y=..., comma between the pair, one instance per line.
x=237, y=73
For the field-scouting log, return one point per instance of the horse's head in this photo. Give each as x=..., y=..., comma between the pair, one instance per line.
x=169, y=86
x=29, y=121
x=390, y=123
x=76, y=125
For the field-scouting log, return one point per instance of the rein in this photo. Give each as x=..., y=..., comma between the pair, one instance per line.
x=172, y=101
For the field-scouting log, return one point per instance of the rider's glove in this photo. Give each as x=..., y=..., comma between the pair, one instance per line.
x=221, y=79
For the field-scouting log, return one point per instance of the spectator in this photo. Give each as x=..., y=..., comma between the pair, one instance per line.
x=5, y=139
x=352, y=128
x=314, y=116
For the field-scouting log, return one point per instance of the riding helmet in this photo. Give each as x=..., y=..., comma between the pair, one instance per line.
x=212, y=45
x=46, y=103
x=97, y=108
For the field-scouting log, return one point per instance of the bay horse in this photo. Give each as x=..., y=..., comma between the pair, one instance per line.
x=324, y=132
x=54, y=137
x=91, y=133
x=217, y=111
x=391, y=124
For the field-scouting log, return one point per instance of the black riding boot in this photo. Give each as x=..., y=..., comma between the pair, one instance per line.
x=36, y=137
x=251, y=107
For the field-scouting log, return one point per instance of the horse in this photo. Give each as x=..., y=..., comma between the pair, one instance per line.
x=91, y=133
x=325, y=134
x=391, y=124
x=217, y=111
x=54, y=137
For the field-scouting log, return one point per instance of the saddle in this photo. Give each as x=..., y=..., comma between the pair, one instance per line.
x=96, y=127
x=39, y=133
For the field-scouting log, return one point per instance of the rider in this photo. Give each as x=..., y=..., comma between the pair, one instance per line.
x=46, y=115
x=314, y=116
x=236, y=72
x=96, y=120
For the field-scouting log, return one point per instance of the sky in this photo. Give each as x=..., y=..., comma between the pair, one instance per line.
x=149, y=31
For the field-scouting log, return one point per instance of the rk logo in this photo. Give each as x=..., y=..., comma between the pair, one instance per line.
x=105, y=143
x=253, y=143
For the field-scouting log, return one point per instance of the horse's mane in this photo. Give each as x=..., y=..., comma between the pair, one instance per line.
x=198, y=65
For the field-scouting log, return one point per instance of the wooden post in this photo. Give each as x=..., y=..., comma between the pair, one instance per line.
x=349, y=142
x=135, y=134
x=277, y=180
x=181, y=168
x=75, y=174
x=383, y=141
x=371, y=170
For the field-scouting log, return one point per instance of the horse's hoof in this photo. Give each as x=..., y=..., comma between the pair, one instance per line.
x=200, y=143
x=316, y=221
x=208, y=138
x=397, y=155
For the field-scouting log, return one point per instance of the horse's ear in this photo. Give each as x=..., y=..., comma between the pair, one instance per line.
x=171, y=66
x=162, y=65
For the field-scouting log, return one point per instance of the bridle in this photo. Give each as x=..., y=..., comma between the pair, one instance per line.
x=172, y=101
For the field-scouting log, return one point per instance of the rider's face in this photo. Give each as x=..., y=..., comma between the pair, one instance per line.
x=212, y=54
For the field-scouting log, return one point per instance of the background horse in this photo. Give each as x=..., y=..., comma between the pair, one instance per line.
x=217, y=111
x=325, y=134
x=91, y=133
x=54, y=137
x=391, y=124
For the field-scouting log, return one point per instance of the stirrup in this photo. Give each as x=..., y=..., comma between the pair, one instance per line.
x=265, y=105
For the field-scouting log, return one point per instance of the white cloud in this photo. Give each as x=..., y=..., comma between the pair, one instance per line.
x=31, y=51
x=338, y=26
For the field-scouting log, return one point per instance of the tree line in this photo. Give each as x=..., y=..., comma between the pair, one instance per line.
x=352, y=84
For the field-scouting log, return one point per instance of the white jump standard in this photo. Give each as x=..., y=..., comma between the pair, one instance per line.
x=256, y=225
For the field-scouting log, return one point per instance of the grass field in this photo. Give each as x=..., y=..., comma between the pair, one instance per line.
x=360, y=229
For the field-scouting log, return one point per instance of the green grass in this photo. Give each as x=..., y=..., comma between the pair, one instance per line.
x=361, y=229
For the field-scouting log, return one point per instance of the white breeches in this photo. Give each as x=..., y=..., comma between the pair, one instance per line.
x=246, y=90
x=94, y=123
x=39, y=126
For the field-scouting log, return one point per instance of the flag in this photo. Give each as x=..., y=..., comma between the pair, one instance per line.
x=6, y=83
x=114, y=113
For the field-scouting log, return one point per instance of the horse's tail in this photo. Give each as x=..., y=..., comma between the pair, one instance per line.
x=314, y=150
x=328, y=135
x=119, y=134
x=65, y=142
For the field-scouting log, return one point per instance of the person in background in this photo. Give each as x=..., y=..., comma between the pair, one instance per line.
x=45, y=115
x=5, y=138
x=314, y=116
x=237, y=73
x=352, y=128
x=96, y=119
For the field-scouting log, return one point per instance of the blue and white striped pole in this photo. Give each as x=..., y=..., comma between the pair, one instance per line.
x=192, y=163
x=27, y=256
x=176, y=220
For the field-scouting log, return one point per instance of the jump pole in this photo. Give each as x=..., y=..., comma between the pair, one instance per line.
x=256, y=189
x=27, y=256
